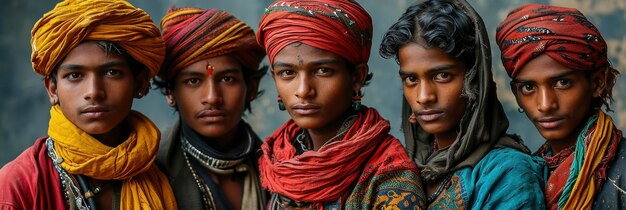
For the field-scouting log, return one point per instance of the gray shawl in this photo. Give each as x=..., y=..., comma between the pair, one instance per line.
x=483, y=126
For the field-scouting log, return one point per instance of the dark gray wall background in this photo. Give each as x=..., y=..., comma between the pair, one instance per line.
x=24, y=106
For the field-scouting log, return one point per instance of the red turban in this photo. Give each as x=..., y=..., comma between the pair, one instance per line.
x=562, y=33
x=339, y=26
x=73, y=21
x=193, y=34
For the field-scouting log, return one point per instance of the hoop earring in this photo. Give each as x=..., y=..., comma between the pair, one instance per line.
x=520, y=110
x=281, y=105
x=356, y=101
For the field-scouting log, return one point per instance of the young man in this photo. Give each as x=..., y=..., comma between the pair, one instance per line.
x=210, y=76
x=95, y=56
x=333, y=153
x=561, y=78
x=456, y=125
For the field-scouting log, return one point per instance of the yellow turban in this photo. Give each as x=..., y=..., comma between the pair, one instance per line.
x=73, y=21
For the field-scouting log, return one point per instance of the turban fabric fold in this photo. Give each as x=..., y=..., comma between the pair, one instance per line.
x=562, y=33
x=342, y=27
x=193, y=34
x=73, y=21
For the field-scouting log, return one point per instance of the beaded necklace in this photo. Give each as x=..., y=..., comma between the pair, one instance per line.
x=207, y=196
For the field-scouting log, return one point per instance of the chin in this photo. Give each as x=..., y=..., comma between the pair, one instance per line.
x=213, y=131
x=308, y=123
x=553, y=135
x=96, y=130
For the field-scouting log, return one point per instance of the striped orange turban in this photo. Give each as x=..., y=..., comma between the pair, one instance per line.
x=562, y=33
x=73, y=21
x=193, y=34
x=339, y=26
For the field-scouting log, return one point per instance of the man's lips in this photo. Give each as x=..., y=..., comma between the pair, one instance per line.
x=95, y=111
x=306, y=109
x=211, y=115
x=550, y=122
x=429, y=115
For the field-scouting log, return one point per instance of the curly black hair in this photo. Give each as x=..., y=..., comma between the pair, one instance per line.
x=433, y=23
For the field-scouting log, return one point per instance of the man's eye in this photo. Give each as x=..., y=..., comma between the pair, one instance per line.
x=442, y=76
x=323, y=71
x=228, y=79
x=112, y=72
x=192, y=81
x=527, y=88
x=286, y=73
x=410, y=80
x=563, y=83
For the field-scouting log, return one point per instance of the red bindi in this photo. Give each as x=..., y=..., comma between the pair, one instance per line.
x=209, y=69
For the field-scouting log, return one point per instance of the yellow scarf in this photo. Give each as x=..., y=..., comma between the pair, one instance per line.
x=584, y=189
x=143, y=187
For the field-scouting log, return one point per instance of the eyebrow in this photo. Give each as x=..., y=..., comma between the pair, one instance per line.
x=200, y=73
x=313, y=63
x=433, y=69
x=105, y=65
x=554, y=77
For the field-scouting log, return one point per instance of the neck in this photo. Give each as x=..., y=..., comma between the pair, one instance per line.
x=114, y=137
x=320, y=136
x=445, y=139
x=226, y=142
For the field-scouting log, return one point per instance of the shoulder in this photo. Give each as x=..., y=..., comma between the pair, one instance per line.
x=18, y=178
x=613, y=190
x=510, y=159
x=168, y=148
x=507, y=178
x=390, y=154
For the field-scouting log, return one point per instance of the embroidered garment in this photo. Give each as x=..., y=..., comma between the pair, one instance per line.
x=143, y=186
x=366, y=169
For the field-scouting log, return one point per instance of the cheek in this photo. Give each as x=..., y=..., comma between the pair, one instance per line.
x=410, y=94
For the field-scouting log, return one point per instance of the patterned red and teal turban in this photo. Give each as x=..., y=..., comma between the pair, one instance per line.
x=73, y=21
x=193, y=34
x=342, y=27
x=562, y=33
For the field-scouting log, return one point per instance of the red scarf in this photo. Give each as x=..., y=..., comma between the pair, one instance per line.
x=329, y=173
x=558, y=178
